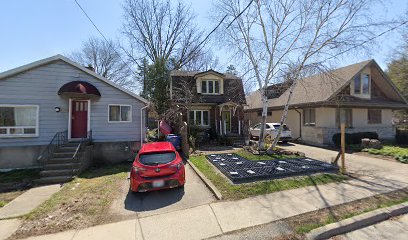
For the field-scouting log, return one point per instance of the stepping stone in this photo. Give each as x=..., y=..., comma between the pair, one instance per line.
x=212, y=155
x=305, y=167
x=250, y=172
x=222, y=164
x=282, y=162
x=218, y=158
x=235, y=158
x=238, y=163
x=222, y=159
x=280, y=169
x=309, y=160
x=229, y=154
x=262, y=163
x=215, y=160
x=233, y=173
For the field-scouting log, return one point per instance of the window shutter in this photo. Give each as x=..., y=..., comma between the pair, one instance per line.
x=198, y=83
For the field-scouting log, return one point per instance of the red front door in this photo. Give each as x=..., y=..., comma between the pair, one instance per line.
x=79, y=119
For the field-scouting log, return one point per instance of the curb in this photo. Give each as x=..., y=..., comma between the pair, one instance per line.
x=206, y=181
x=358, y=222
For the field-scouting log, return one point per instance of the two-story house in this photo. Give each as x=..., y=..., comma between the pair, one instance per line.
x=214, y=100
x=362, y=89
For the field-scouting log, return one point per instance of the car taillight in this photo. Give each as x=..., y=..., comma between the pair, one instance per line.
x=138, y=170
x=177, y=166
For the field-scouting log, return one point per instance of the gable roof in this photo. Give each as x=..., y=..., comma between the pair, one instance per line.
x=58, y=57
x=321, y=88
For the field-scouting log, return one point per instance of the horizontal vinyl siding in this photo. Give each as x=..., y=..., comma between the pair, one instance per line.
x=39, y=86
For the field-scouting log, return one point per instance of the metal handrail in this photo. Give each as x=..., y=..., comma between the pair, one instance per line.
x=78, y=152
x=59, y=139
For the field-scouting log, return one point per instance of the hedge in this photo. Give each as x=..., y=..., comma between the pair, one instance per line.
x=353, y=138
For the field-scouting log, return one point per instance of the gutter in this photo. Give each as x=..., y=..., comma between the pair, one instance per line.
x=141, y=125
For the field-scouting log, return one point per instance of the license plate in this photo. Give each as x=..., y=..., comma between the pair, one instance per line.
x=157, y=184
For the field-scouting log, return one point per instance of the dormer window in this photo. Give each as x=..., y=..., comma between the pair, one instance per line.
x=210, y=87
x=362, y=84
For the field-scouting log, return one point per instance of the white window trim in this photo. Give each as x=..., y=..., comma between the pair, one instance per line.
x=121, y=105
x=37, y=124
x=207, y=88
x=70, y=116
x=202, y=117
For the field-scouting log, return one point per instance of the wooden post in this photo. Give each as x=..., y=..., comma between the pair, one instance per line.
x=343, y=140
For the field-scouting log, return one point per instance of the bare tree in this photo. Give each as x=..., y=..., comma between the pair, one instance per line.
x=159, y=30
x=292, y=38
x=105, y=59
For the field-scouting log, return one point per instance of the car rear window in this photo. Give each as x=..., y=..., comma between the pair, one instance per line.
x=276, y=126
x=152, y=159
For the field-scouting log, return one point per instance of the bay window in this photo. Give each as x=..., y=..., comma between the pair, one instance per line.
x=18, y=120
x=199, y=117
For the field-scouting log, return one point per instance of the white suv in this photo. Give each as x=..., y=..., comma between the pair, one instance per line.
x=271, y=130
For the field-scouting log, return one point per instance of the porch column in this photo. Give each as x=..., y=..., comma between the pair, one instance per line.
x=239, y=127
x=215, y=120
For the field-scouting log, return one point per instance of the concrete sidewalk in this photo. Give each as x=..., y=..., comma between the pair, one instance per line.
x=28, y=201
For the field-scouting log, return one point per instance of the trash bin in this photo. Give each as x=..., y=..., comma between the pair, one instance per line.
x=175, y=140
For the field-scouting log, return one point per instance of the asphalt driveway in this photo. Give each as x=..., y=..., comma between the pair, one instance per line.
x=195, y=193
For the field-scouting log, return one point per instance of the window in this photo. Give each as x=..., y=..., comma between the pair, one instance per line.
x=362, y=84
x=120, y=113
x=210, y=87
x=199, y=118
x=260, y=113
x=18, y=120
x=374, y=116
x=348, y=117
x=309, y=117
x=357, y=85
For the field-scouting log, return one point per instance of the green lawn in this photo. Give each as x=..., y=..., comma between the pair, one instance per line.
x=253, y=157
x=399, y=153
x=19, y=175
x=239, y=191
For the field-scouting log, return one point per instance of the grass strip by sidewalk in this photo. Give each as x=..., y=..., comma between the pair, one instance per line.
x=82, y=203
x=231, y=191
x=306, y=222
x=245, y=154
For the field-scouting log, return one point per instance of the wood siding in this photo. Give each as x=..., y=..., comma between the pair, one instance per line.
x=39, y=86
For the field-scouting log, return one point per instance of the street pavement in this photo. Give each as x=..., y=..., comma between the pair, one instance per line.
x=393, y=229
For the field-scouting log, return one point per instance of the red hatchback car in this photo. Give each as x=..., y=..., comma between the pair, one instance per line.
x=157, y=166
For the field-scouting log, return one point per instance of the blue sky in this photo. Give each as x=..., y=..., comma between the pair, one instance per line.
x=32, y=30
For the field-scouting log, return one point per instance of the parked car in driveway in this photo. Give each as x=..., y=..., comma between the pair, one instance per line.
x=271, y=130
x=157, y=166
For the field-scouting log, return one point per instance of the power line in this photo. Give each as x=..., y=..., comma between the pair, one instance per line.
x=100, y=32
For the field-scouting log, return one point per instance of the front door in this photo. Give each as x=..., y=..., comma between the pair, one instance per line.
x=226, y=116
x=79, y=119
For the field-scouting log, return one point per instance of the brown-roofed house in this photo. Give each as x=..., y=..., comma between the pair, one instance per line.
x=216, y=100
x=363, y=89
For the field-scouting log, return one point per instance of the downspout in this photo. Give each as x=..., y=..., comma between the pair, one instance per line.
x=141, y=125
x=300, y=124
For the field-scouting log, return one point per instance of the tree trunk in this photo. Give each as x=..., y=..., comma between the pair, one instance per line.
x=283, y=118
x=264, y=114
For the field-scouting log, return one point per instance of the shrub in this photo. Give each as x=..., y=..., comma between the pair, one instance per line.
x=401, y=136
x=353, y=138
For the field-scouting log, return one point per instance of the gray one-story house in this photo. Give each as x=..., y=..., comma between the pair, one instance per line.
x=57, y=102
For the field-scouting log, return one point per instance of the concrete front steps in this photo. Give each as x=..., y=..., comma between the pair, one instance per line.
x=61, y=167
